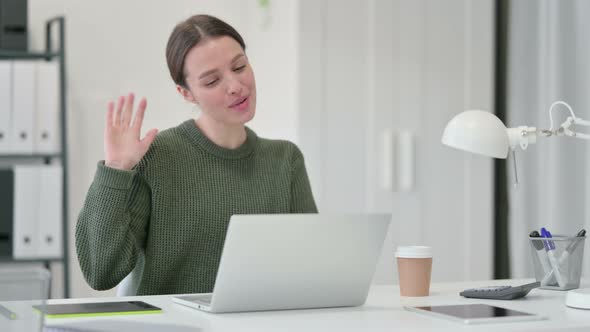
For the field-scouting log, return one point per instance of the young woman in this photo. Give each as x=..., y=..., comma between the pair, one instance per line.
x=160, y=206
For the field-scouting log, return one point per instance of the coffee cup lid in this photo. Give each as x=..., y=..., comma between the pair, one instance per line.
x=414, y=252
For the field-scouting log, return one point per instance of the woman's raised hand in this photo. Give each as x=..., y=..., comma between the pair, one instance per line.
x=123, y=147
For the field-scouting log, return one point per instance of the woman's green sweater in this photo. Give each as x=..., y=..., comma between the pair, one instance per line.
x=166, y=219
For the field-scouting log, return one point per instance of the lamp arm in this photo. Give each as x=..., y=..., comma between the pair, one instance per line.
x=564, y=129
x=523, y=136
x=569, y=122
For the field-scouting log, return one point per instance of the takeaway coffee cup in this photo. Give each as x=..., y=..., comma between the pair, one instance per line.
x=414, y=266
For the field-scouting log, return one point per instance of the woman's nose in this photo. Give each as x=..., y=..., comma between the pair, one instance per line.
x=234, y=87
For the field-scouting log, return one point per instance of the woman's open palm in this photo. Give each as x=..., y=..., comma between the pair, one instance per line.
x=122, y=144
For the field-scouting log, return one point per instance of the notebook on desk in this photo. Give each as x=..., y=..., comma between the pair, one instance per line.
x=295, y=261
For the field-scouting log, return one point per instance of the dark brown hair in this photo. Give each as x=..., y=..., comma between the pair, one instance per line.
x=188, y=34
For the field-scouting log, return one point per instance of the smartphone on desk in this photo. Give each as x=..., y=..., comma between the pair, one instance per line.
x=97, y=309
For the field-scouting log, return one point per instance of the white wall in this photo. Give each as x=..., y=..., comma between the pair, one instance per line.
x=115, y=47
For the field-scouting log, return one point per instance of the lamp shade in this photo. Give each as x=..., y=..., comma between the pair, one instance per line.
x=478, y=132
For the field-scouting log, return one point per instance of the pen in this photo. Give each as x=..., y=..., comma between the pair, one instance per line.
x=543, y=259
x=550, y=247
x=564, y=256
x=7, y=313
x=572, y=246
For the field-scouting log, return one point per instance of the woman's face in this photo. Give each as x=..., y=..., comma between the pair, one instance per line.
x=220, y=81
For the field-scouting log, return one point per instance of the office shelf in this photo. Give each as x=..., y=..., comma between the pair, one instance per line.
x=30, y=156
x=56, y=53
x=7, y=54
x=8, y=259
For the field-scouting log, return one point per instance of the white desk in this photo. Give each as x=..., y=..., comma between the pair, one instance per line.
x=383, y=311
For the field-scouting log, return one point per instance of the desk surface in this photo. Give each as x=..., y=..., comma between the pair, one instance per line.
x=383, y=311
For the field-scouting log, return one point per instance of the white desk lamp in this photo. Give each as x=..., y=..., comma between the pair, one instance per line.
x=483, y=133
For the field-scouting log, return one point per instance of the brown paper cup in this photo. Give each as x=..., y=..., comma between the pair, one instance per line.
x=414, y=270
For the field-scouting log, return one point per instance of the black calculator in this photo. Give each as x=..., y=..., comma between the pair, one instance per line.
x=500, y=292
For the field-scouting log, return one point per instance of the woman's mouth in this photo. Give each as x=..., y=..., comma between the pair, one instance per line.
x=240, y=104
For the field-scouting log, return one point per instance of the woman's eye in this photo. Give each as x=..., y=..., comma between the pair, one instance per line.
x=240, y=68
x=210, y=83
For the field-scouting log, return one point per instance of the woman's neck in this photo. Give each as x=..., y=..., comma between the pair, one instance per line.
x=223, y=135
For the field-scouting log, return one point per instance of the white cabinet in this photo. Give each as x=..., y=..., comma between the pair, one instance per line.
x=378, y=76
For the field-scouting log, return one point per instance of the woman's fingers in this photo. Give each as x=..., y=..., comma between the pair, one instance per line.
x=117, y=112
x=127, y=111
x=139, y=114
x=122, y=115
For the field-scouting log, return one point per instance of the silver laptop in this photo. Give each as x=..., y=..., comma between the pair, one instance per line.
x=295, y=261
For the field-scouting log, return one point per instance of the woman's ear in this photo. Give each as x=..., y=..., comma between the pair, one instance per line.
x=186, y=94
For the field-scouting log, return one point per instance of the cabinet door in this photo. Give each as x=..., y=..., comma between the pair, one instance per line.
x=391, y=75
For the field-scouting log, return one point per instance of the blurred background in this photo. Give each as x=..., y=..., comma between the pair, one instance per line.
x=365, y=89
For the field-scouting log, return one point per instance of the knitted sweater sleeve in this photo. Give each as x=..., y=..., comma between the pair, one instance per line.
x=112, y=226
x=302, y=200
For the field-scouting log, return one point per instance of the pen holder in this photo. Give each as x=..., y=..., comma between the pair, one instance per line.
x=558, y=261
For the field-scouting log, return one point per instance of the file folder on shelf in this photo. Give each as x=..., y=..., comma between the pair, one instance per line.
x=50, y=212
x=26, y=212
x=47, y=138
x=23, y=106
x=5, y=105
x=37, y=212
